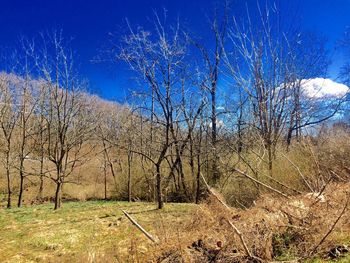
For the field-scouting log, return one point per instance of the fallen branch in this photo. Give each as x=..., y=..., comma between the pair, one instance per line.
x=239, y=234
x=283, y=185
x=338, y=176
x=333, y=226
x=261, y=183
x=299, y=172
x=258, y=182
x=246, y=249
x=133, y=221
x=318, y=197
x=213, y=193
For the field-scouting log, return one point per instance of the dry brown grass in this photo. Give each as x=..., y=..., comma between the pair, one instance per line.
x=274, y=228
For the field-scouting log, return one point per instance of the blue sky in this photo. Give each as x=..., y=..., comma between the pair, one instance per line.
x=89, y=23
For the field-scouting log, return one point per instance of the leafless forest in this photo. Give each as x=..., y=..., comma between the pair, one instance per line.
x=239, y=124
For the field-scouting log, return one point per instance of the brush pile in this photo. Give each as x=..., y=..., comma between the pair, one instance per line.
x=275, y=228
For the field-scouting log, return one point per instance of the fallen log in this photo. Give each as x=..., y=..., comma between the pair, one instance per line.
x=133, y=221
x=239, y=234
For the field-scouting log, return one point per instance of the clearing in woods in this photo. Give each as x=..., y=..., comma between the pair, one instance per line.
x=97, y=231
x=84, y=231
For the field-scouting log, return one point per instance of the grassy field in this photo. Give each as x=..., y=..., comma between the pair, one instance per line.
x=84, y=231
x=97, y=231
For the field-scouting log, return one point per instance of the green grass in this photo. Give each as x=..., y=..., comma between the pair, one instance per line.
x=344, y=259
x=40, y=234
x=84, y=231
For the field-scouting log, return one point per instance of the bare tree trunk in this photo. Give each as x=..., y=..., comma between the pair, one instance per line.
x=129, y=175
x=270, y=159
x=21, y=169
x=198, y=188
x=21, y=185
x=191, y=162
x=215, y=169
x=58, y=195
x=289, y=136
x=159, y=187
x=105, y=178
x=109, y=162
x=239, y=125
x=41, y=186
x=8, y=176
x=178, y=164
x=41, y=141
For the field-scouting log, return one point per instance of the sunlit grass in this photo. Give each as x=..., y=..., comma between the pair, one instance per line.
x=344, y=259
x=40, y=234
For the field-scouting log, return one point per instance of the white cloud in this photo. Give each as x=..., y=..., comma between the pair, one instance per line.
x=219, y=123
x=322, y=88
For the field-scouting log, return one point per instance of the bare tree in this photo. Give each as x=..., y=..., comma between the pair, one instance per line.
x=40, y=136
x=157, y=60
x=109, y=134
x=268, y=63
x=68, y=118
x=263, y=72
x=8, y=119
x=345, y=72
x=310, y=60
x=212, y=58
x=345, y=47
x=25, y=126
x=130, y=147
